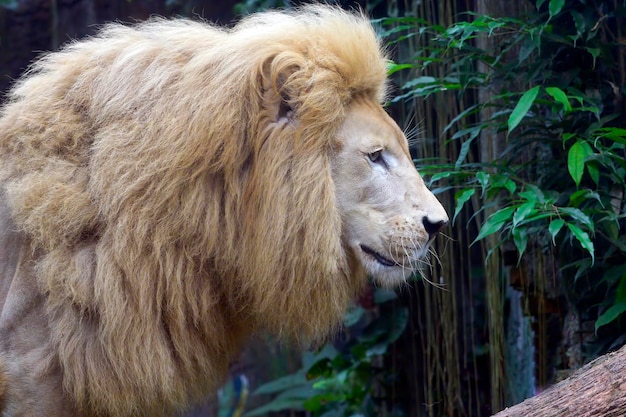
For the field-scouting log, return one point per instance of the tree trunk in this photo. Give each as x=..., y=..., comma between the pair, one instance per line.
x=596, y=390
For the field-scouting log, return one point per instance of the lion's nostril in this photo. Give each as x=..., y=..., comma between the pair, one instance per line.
x=432, y=228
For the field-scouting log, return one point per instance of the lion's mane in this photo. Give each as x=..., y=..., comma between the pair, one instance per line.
x=173, y=181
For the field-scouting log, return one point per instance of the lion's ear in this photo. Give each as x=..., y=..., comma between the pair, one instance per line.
x=278, y=87
x=285, y=105
x=278, y=99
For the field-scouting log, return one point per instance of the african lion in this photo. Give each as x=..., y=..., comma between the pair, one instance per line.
x=170, y=188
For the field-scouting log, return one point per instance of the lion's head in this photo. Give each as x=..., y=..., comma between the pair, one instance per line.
x=389, y=216
x=180, y=186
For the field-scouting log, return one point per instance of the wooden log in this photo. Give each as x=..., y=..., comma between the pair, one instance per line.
x=598, y=389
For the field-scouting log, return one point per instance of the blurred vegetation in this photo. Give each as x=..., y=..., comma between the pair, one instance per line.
x=9, y=4
x=249, y=6
x=348, y=377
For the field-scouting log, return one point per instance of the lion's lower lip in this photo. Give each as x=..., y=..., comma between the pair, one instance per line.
x=379, y=258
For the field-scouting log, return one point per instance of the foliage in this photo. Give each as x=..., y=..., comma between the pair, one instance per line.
x=557, y=186
x=346, y=378
x=9, y=4
x=248, y=6
x=558, y=78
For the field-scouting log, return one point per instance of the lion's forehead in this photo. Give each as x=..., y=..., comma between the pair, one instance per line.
x=370, y=118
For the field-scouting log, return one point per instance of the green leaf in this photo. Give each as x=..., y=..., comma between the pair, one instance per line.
x=582, y=267
x=560, y=97
x=576, y=159
x=614, y=134
x=554, y=228
x=465, y=113
x=614, y=275
x=281, y=384
x=578, y=215
x=419, y=81
x=555, y=7
x=503, y=181
x=611, y=314
x=502, y=214
x=353, y=316
x=321, y=368
x=297, y=393
x=594, y=171
x=579, y=22
x=532, y=193
x=566, y=136
x=510, y=185
x=398, y=325
x=522, y=107
x=495, y=222
x=277, y=405
x=620, y=293
x=377, y=350
x=392, y=67
x=440, y=175
x=483, y=179
x=523, y=211
x=383, y=295
x=525, y=50
x=465, y=148
x=461, y=198
x=317, y=402
x=583, y=239
x=594, y=52
x=579, y=196
x=520, y=238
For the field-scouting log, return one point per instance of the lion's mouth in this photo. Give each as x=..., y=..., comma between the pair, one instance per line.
x=379, y=258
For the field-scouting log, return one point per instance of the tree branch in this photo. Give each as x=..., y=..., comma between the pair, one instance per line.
x=597, y=389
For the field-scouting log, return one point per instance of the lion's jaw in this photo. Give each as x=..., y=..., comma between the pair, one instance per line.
x=389, y=217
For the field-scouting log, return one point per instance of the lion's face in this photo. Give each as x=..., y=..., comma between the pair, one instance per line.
x=389, y=216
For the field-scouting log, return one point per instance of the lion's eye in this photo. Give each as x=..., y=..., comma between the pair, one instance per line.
x=376, y=156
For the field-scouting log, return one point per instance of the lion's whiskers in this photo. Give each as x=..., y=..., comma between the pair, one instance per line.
x=413, y=261
x=425, y=262
x=412, y=132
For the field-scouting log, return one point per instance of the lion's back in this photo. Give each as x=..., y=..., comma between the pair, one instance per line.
x=69, y=100
x=66, y=96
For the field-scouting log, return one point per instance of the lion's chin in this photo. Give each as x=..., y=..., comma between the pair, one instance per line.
x=385, y=271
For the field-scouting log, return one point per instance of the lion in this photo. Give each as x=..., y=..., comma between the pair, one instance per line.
x=170, y=188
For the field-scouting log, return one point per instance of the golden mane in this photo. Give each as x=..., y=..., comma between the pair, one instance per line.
x=173, y=180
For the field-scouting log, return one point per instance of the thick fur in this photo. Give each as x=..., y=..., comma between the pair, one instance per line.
x=172, y=184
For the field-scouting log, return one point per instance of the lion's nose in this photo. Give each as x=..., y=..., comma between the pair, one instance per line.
x=432, y=227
